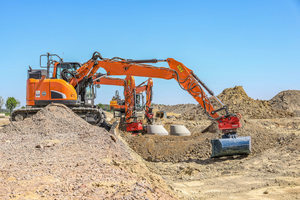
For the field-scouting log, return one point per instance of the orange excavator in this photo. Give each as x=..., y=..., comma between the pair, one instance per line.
x=50, y=84
x=116, y=104
x=132, y=103
x=72, y=85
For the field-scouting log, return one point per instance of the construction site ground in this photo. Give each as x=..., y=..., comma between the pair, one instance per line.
x=56, y=155
x=270, y=172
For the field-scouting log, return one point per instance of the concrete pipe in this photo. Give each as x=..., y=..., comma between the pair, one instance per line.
x=179, y=130
x=156, y=130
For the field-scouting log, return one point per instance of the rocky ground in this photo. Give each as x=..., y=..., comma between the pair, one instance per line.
x=56, y=155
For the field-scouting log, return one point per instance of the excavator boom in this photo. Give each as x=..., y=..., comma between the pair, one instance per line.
x=184, y=76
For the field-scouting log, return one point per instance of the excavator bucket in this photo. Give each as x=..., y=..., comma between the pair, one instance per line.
x=229, y=146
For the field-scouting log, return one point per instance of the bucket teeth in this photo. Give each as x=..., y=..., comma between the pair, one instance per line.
x=231, y=146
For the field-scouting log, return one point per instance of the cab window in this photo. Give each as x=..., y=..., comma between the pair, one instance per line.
x=69, y=66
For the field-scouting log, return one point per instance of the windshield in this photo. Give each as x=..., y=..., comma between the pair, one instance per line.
x=89, y=92
x=68, y=66
x=139, y=101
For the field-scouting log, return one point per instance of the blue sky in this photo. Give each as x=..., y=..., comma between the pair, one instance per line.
x=252, y=43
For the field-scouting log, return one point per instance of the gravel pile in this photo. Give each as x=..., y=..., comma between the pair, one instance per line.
x=57, y=155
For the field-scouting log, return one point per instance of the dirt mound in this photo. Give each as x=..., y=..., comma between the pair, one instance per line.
x=198, y=146
x=288, y=100
x=179, y=108
x=238, y=101
x=53, y=119
x=57, y=155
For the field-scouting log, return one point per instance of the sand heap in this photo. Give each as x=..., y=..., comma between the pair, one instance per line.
x=57, y=155
x=238, y=101
x=288, y=100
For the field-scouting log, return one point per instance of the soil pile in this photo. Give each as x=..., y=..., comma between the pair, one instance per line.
x=288, y=100
x=198, y=146
x=57, y=155
x=238, y=101
x=179, y=108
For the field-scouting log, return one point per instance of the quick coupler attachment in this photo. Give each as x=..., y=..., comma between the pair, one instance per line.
x=231, y=145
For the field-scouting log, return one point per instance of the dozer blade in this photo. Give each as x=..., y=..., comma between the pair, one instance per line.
x=231, y=146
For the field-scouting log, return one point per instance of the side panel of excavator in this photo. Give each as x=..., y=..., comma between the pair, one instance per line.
x=41, y=92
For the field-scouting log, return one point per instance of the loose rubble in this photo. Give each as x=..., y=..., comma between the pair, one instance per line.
x=57, y=155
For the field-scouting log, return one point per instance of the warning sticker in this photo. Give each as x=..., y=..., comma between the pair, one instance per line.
x=37, y=93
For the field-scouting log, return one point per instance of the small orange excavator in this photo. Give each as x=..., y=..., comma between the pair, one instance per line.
x=72, y=84
x=132, y=103
x=116, y=104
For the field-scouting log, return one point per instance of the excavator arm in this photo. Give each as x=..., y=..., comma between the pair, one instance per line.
x=104, y=80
